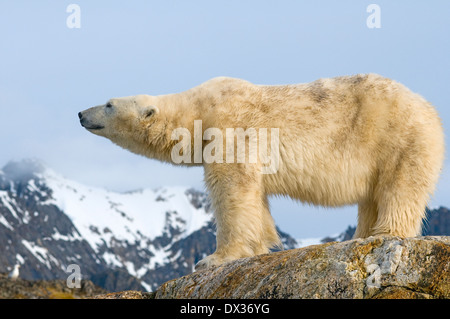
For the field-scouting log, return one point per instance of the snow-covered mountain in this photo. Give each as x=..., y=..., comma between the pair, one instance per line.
x=134, y=240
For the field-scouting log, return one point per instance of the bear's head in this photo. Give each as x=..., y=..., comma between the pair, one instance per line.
x=130, y=122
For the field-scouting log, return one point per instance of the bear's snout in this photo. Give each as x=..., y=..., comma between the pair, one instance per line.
x=89, y=121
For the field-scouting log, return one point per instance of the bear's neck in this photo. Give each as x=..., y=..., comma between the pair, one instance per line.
x=179, y=110
x=176, y=111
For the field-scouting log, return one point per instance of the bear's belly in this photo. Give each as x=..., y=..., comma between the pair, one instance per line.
x=320, y=182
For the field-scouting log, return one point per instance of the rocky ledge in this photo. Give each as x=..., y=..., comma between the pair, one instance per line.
x=374, y=267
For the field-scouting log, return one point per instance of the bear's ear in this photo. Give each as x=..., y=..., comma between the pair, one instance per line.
x=150, y=111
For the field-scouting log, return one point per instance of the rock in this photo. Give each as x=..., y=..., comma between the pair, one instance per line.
x=375, y=267
x=45, y=289
x=129, y=294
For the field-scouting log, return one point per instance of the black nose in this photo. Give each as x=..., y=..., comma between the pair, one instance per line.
x=80, y=115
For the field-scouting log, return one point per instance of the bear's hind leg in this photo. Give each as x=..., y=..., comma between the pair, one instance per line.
x=401, y=204
x=407, y=179
x=399, y=217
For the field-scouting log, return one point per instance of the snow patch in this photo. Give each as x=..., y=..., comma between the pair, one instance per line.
x=6, y=200
x=5, y=222
x=40, y=253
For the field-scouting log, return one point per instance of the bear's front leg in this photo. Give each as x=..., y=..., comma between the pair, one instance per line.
x=244, y=224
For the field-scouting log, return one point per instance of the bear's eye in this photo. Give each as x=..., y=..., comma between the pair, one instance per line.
x=150, y=113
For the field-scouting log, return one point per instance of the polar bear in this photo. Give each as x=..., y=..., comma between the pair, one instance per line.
x=361, y=139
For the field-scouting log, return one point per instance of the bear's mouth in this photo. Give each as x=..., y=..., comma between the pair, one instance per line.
x=95, y=127
x=89, y=126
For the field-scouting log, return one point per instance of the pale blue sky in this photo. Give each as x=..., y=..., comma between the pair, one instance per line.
x=49, y=72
